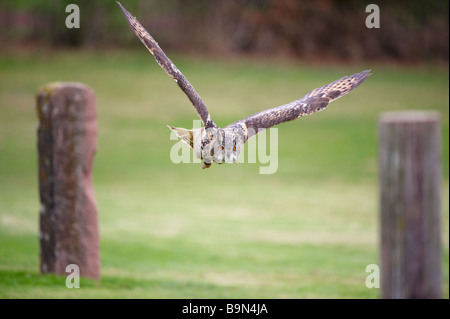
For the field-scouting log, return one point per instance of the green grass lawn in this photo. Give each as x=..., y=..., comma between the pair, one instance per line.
x=177, y=231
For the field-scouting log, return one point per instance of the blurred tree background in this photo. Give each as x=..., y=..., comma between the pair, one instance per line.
x=412, y=31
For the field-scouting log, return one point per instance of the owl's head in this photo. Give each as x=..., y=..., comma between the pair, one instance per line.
x=222, y=145
x=213, y=144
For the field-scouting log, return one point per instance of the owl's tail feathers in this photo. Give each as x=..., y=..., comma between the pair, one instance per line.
x=186, y=136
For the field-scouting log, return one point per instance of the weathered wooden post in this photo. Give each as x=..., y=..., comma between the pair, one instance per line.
x=410, y=190
x=67, y=141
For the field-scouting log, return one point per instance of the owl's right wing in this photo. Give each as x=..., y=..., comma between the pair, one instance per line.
x=169, y=67
x=312, y=102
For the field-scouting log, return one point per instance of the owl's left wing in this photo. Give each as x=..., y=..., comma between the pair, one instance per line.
x=312, y=102
x=169, y=67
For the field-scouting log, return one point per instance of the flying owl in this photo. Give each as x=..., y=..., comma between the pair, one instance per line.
x=223, y=145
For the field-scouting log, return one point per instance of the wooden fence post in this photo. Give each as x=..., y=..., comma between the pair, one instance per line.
x=410, y=191
x=67, y=141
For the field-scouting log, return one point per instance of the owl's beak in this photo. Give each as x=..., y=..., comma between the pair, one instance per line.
x=229, y=158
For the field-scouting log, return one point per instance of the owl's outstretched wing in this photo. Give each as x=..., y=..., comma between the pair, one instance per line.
x=169, y=67
x=312, y=102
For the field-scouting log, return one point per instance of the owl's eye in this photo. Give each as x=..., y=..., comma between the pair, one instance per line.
x=234, y=148
x=221, y=148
